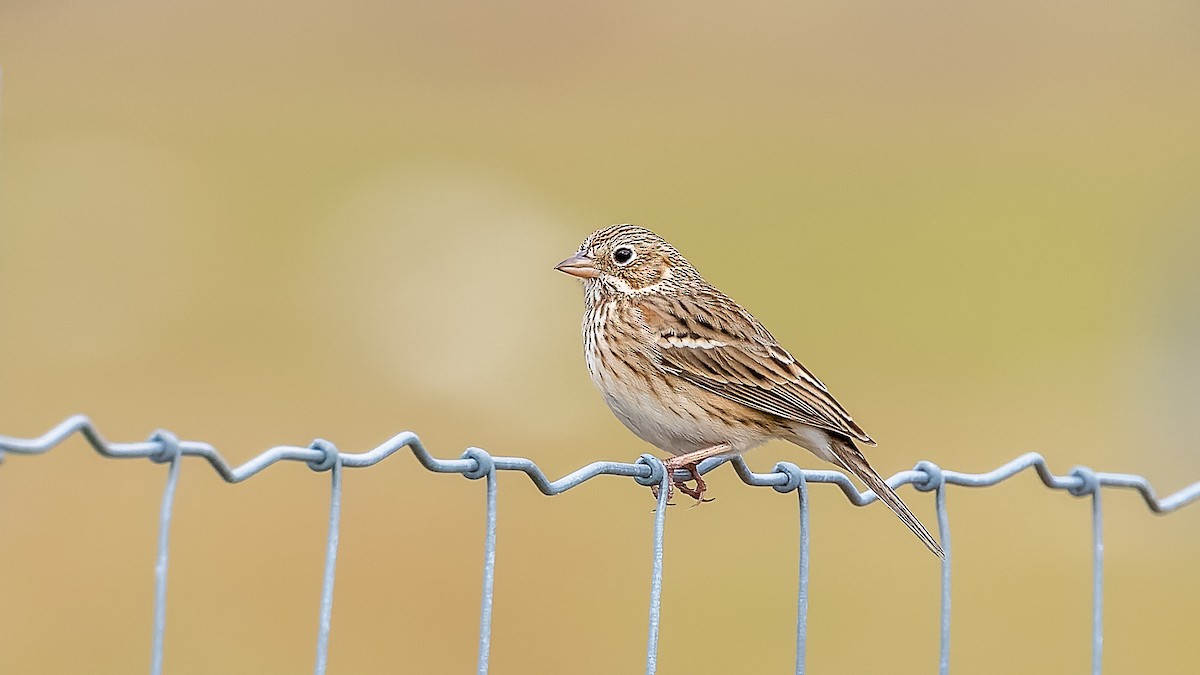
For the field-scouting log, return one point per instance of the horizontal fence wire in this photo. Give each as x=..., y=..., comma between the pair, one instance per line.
x=475, y=463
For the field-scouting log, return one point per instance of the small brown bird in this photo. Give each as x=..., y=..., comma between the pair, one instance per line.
x=689, y=370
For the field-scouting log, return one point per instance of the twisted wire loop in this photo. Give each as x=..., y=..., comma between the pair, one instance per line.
x=329, y=455
x=935, y=479
x=163, y=447
x=794, y=477
x=657, y=473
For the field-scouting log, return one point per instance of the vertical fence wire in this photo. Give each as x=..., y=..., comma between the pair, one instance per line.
x=1097, y=584
x=930, y=477
x=489, y=576
x=802, y=591
x=943, y=518
x=1087, y=483
x=660, y=514
x=331, y=550
x=170, y=452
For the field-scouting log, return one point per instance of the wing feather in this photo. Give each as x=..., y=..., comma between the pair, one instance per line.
x=708, y=340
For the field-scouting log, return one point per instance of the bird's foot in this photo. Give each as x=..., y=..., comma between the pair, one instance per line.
x=697, y=492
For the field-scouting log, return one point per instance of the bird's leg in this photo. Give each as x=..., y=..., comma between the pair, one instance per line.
x=690, y=462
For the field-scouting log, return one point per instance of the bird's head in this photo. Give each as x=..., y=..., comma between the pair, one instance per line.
x=627, y=260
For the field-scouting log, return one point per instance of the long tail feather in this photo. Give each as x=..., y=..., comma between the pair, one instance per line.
x=853, y=460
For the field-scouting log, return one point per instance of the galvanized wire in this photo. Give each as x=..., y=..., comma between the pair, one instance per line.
x=647, y=470
x=489, y=561
x=936, y=480
x=333, y=464
x=170, y=452
x=802, y=592
x=656, y=573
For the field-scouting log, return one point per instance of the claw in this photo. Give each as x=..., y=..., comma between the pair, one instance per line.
x=697, y=492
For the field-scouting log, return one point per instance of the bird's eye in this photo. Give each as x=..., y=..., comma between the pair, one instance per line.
x=623, y=255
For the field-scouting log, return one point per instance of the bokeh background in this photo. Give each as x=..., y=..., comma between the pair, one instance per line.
x=261, y=223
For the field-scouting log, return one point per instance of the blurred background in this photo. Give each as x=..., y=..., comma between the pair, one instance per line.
x=257, y=224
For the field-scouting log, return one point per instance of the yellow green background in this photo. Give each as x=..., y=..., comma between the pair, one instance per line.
x=260, y=223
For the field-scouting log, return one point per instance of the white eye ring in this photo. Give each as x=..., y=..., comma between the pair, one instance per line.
x=619, y=255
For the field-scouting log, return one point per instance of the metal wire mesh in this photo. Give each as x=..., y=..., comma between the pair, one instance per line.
x=321, y=455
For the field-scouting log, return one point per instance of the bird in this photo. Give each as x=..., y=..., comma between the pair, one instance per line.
x=689, y=370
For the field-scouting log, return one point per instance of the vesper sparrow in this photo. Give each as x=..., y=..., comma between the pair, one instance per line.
x=689, y=370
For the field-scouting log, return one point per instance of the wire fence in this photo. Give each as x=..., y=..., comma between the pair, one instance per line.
x=321, y=455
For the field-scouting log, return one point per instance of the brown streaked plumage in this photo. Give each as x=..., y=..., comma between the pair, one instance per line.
x=689, y=370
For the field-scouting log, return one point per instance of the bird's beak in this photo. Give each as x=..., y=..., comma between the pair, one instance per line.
x=579, y=266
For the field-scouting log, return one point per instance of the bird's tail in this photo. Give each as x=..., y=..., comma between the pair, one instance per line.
x=851, y=458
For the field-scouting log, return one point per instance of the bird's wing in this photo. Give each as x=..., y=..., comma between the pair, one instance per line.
x=710, y=341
